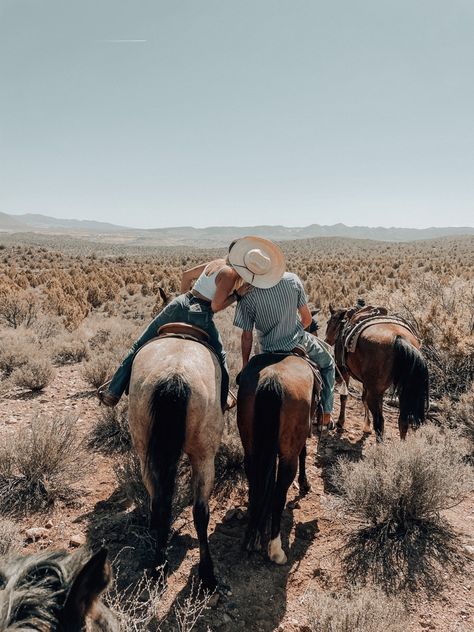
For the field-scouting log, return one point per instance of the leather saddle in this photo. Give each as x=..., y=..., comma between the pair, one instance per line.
x=183, y=330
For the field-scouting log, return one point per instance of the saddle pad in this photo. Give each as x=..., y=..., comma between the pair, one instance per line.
x=351, y=338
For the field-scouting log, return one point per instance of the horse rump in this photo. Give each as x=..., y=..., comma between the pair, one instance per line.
x=411, y=382
x=168, y=409
x=261, y=465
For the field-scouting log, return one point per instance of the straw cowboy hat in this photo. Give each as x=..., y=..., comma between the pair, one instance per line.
x=258, y=261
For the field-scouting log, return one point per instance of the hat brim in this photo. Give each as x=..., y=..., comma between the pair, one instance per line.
x=242, y=246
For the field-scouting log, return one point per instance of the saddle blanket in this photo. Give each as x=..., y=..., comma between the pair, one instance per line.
x=352, y=336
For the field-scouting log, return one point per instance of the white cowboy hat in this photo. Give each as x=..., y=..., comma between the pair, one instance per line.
x=258, y=261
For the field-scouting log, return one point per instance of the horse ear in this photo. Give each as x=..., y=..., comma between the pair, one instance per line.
x=331, y=309
x=89, y=583
x=164, y=296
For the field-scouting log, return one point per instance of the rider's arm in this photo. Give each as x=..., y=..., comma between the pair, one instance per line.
x=191, y=275
x=246, y=345
x=225, y=283
x=305, y=316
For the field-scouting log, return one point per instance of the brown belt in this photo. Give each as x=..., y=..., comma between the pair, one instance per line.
x=200, y=297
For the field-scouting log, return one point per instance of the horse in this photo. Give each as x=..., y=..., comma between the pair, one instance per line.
x=55, y=592
x=275, y=406
x=387, y=353
x=175, y=406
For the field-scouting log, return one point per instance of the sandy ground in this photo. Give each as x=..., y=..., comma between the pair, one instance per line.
x=261, y=596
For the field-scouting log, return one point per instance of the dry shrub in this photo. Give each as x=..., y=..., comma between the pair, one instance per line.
x=17, y=308
x=395, y=496
x=15, y=351
x=189, y=609
x=35, y=374
x=41, y=464
x=229, y=462
x=10, y=539
x=129, y=478
x=358, y=610
x=99, y=368
x=111, y=433
x=69, y=349
x=136, y=606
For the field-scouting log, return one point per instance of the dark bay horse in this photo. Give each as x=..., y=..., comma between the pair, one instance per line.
x=274, y=412
x=386, y=354
x=55, y=592
x=175, y=407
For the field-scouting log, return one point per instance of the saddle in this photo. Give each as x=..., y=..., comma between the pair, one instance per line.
x=183, y=330
x=357, y=320
x=299, y=352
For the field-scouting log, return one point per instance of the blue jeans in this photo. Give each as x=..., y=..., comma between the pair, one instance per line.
x=319, y=353
x=183, y=309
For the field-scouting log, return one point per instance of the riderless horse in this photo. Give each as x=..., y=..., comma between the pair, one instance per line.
x=384, y=351
x=275, y=405
x=175, y=407
x=55, y=592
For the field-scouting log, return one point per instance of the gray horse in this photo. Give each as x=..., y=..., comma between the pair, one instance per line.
x=174, y=406
x=55, y=592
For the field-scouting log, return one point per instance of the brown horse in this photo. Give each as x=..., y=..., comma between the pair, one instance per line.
x=274, y=412
x=386, y=354
x=55, y=592
x=175, y=407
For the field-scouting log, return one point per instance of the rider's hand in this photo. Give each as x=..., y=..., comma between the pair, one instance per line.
x=243, y=289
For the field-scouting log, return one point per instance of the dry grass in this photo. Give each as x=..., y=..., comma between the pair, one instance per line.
x=395, y=497
x=358, y=610
x=40, y=465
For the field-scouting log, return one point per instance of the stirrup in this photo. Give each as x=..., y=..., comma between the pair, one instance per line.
x=106, y=397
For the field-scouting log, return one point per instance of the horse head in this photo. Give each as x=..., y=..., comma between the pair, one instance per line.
x=335, y=323
x=55, y=592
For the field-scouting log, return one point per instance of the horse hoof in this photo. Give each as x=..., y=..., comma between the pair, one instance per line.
x=305, y=488
x=331, y=425
x=275, y=552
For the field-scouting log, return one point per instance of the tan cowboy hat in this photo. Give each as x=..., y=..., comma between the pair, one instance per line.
x=258, y=261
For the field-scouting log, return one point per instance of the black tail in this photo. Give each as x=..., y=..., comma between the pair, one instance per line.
x=411, y=382
x=168, y=409
x=266, y=428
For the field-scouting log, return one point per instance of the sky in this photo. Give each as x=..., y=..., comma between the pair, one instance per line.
x=148, y=113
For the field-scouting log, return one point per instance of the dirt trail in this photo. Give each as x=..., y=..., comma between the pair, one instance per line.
x=261, y=596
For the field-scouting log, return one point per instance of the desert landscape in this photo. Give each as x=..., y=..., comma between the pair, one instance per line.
x=70, y=306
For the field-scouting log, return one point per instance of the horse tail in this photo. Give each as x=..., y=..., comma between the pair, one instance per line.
x=411, y=381
x=168, y=409
x=266, y=429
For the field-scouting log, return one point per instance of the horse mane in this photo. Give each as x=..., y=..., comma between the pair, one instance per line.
x=33, y=589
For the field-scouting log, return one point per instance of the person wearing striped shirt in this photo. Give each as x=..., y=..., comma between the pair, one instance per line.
x=280, y=314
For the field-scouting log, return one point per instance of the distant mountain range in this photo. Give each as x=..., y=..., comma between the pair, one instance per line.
x=213, y=236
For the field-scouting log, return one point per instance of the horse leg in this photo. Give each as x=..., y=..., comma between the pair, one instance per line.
x=343, y=402
x=375, y=404
x=305, y=487
x=160, y=524
x=286, y=474
x=202, y=482
x=403, y=427
x=366, y=428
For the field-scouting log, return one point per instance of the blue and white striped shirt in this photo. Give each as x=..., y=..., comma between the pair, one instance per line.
x=274, y=313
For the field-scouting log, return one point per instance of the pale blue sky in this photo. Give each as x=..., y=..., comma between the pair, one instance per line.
x=238, y=112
